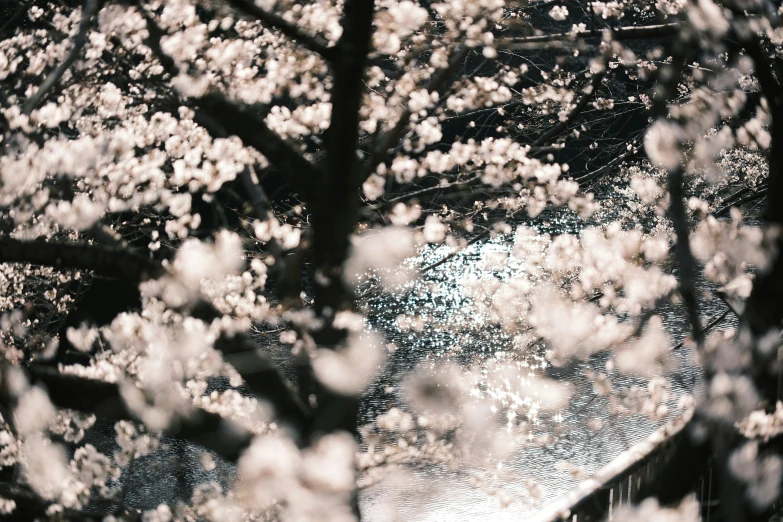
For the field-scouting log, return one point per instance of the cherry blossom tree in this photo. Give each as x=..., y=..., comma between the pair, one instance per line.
x=186, y=187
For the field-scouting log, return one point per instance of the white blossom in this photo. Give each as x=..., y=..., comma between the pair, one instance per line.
x=559, y=13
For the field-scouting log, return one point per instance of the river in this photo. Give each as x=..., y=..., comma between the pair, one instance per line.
x=585, y=435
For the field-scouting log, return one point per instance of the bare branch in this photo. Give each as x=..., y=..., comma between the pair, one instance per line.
x=668, y=82
x=478, y=237
x=620, y=34
x=23, y=8
x=88, y=13
x=685, y=262
x=753, y=196
x=258, y=197
x=588, y=177
x=313, y=43
x=439, y=189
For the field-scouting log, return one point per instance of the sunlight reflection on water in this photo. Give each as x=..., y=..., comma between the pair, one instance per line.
x=442, y=317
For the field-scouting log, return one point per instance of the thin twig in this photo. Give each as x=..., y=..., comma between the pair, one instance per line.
x=473, y=241
x=88, y=13
x=588, y=95
x=23, y=8
x=313, y=43
x=590, y=176
x=747, y=199
x=104, y=399
x=429, y=190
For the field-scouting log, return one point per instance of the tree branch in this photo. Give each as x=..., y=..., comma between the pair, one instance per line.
x=588, y=95
x=23, y=8
x=620, y=34
x=758, y=194
x=153, y=40
x=585, y=179
x=475, y=239
x=437, y=83
x=764, y=73
x=260, y=375
x=88, y=13
x=313, y=43
x=335, y=211
x=336, y=208
x=222, y=117
x=669, y=80
x=723, y=437
x=241, y=122
x=258, y=198
x=343, y=134
x=685, y=261
x=439, y=189
x=104, y=400
x=264, y=380
x=107, y=261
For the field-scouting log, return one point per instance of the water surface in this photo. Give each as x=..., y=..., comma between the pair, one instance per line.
x=447, y=319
